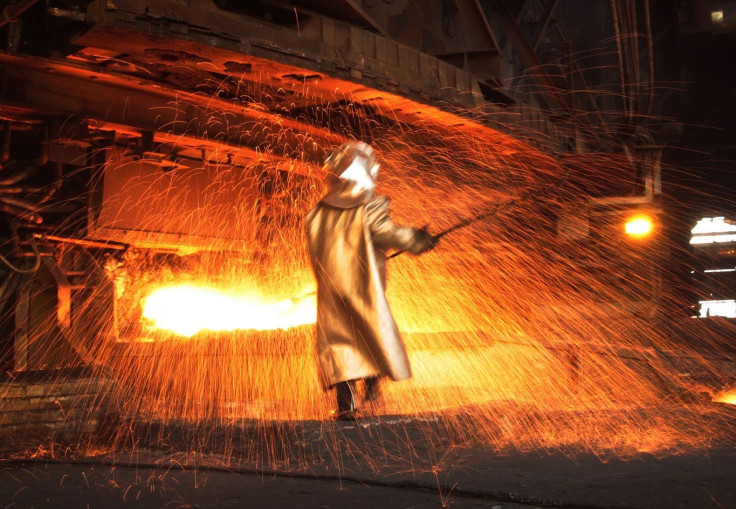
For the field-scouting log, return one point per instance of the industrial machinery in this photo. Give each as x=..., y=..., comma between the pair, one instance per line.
x=124, y=123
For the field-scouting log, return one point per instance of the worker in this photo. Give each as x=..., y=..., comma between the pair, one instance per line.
x=350, y=232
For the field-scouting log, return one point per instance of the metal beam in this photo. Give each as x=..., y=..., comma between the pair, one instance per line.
x=542, y=27
x=325, y=60
x=350, y=10
x=171, y=114
x=22, y=323
x=479, y=30
x=528, y=57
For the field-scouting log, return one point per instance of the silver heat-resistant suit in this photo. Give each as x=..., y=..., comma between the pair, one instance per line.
x=349, y=232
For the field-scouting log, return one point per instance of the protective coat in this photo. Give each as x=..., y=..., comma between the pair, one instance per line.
x=349, y=233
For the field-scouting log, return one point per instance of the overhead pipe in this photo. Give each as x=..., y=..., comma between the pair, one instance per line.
x=21, y=207
x=45, y=191
x=18, y=176
x=21, y=190
x=19, y=212
x=51, y=191
x=19, y=202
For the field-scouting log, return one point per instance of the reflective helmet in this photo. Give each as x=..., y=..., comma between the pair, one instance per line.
x=354, y=161
x=352, y=171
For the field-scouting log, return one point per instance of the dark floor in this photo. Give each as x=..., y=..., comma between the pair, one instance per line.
x=464, y=477
x=81, y=486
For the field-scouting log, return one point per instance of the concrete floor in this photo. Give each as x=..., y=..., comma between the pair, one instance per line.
x=469, y=477
x=81, y=486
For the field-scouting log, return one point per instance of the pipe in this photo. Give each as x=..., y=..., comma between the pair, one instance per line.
x=5, y=151
x=620, y=53
x=19, y=175
x=58, y=181
x=47, y=192
x=36, y=262
x=43, y=157
x=11, y=13
x=650, y=56
x=20, y=190
x=19, y=202
x=21, y=213
x=81, y=242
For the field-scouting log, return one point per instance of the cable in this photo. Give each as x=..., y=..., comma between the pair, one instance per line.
x=31, y=270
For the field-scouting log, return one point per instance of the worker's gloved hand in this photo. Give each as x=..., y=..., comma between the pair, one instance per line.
x=424, y=241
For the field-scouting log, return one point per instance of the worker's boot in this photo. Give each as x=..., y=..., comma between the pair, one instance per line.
x=346, y=408
x=372, y=392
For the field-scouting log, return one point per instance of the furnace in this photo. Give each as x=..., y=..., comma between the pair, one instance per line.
x=158, y=159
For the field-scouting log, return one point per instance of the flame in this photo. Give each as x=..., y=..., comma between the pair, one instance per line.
x=189, y=309
x=726, y=397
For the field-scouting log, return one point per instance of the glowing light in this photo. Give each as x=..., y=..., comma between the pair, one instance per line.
x=187, y=310
x=639, y=226
x=725, y=308
x=711, y=230
x=713, y=225
x=712, y=239
x=726, y=397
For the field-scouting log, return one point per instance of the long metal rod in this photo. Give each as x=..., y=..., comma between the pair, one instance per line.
x=82, y=242
x=467, y=222
x=12, y=12
x=529, y=193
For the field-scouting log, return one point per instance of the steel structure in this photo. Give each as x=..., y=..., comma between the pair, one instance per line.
x=87, y=87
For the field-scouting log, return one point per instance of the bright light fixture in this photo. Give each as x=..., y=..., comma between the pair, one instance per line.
x=711, y=230
x=725, y=308
x=639, y=226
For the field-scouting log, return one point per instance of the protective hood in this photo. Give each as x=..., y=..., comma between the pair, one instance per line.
x=352, y=170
